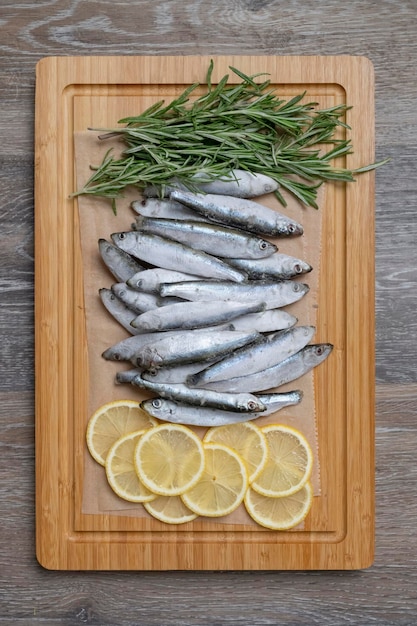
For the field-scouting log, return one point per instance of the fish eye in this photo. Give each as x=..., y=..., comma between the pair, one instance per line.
x=116, y=356
x=251, y=405
x=152, y=371
x=263, y=245
x=122, y=235
x=156, y=403
x=296, y=287
x=292, y=228
x=297, y=268
x=319, y=350
x=143, y=203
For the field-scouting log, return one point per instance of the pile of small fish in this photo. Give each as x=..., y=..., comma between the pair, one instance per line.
x=201, y=292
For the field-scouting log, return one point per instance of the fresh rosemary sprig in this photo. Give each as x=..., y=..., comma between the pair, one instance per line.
x=244, y=126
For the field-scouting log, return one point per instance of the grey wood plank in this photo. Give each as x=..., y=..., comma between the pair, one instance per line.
x=383, y=31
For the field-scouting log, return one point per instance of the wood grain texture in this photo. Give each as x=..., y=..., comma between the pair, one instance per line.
x=338, y=533
x=383, y=31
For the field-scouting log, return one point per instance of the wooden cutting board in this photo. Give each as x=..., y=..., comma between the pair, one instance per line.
x=75, y=93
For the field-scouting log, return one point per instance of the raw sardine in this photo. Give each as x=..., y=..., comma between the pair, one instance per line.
x=119, y=262
x=238, y=183
x=253, y=358
x=118, y=310
x=278, y=266
x=181, y=413
x=150, y=280
x=240, y=402
x=127, y=376
x=176, y=373
x=125, y=349
x=156, y=207
x=186, y=346
x=240, y=213
x=274, y=294
x=285, y=372
x=189, y=315
x=264, y=322
x=175, y=256
x=214, y=239
x=138, y=301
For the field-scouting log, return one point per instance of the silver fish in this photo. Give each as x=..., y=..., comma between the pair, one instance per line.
x=240, y=213
x=138, y=301
x=156, y=207
x=176, y=373
x=181, y=413
x=189, y=315
x=282, y=373
x=214, y=239
x=125, y=349
x=241, y=402
x=264, y=322
x=175, y=256
x=238, y=183
x=274, y=294
x=277, y=401
x=118, y=310
x=256, y=357
x=277, y=265
x=119, y=262
x=127, y=376
x=193, y=345
x=150, y=280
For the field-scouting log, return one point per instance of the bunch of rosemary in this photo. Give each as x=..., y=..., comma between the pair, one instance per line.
x=244, y=126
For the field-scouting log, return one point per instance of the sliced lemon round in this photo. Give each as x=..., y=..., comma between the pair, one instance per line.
x=170, y=509
x=169, y=459
x=289, y=462
x=120, y=470
x=279, y=513
x=222, y=485
x=247, y=440
x=110, y=422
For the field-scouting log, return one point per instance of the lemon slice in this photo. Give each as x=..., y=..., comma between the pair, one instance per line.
x=110, y=422
x=170, y=509
x=169, y=459
x=279, y=513
x=289, y=462
x=247, y=440
x=120, y=470
x=222, y=485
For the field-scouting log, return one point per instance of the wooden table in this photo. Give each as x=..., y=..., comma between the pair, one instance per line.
x=385, y=593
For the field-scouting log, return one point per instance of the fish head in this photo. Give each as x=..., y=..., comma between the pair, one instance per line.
x=124, y=240
x=301, y=267
x=113, y=354
x=300, y=288
x=263, y=248
x=158, y=407
x=294, y=229
x=105, y=246
x=317, y=353
x=119, y=289
x=322, y=350
x=135, y=282
x=251, y=404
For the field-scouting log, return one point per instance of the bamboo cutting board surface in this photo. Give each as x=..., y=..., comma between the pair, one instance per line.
x=75, y=93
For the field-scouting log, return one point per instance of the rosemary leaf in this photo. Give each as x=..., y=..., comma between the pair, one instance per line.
x=245, y=125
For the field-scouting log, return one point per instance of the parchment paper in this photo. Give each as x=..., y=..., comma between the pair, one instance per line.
x=98, y=221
